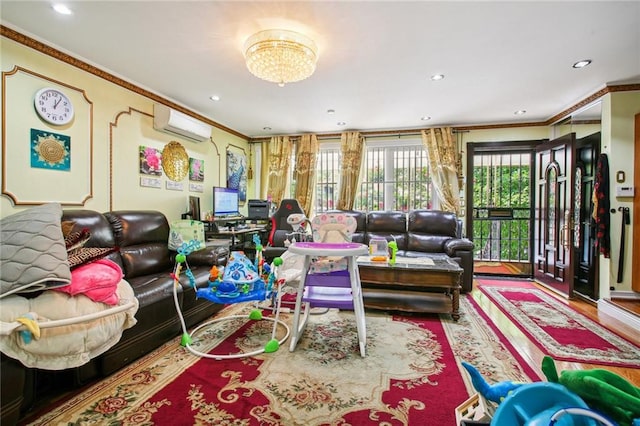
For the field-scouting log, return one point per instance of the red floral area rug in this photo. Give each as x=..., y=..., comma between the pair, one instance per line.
x=410, y=376
x=557, y=329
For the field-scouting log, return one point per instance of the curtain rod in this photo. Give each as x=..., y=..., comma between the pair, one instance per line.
x=373, y=133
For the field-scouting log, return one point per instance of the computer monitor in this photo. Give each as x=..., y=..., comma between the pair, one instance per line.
x=225, y=202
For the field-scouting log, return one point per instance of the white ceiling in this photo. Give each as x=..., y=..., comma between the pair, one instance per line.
x=376, y=57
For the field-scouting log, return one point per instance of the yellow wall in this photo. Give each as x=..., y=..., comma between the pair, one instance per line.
x=122, y=121
x=618, y=112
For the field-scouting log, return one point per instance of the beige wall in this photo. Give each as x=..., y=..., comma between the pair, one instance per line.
x=618, y=112
x=122, y=121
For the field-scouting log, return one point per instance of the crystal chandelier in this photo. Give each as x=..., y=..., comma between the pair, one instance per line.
x=280, y=56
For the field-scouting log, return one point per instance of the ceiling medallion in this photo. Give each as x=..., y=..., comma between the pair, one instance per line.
x=280, y=56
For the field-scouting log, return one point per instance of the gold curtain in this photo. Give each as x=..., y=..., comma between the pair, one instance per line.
x=351, y=149
x=442, y=152
x=278, y=155
x=305, y=171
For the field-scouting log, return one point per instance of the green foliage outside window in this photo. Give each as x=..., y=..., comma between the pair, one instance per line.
x=502, y=186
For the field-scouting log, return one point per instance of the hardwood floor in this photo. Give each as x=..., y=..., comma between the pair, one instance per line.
x=533, y=355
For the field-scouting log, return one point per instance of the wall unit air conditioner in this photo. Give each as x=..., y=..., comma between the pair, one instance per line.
x=169, y=120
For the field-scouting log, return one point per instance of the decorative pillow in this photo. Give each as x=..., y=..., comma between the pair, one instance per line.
x=97, y=280
x=86, y=255
x=186, y=231
x=74, y=241
x=67, y=227
x=32, y=254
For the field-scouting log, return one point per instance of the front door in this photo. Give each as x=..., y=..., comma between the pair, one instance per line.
x=553, y=229
x=585, y=281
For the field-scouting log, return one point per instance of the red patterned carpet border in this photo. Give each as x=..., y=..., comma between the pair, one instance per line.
x=557, y=329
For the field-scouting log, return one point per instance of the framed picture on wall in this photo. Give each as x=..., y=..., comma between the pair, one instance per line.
x=196, y=170
x=237, y=171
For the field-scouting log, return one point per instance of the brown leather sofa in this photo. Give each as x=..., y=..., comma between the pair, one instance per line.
x=419, y=233
x=141, y=240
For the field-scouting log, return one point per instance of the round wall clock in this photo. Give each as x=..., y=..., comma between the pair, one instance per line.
x=53, y=106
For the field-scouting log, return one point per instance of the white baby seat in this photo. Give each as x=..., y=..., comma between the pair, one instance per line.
x=331, y=228
x=330, y=275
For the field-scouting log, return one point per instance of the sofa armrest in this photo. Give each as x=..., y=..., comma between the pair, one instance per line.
x=209, y=256
x=457, y=244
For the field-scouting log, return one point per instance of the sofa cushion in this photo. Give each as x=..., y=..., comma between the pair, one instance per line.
x=33, y=254
x=145, y=259
x=433, y=222
x=426, y=243
x=141, y=236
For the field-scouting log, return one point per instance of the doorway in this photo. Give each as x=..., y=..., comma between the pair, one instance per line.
x=499, y=216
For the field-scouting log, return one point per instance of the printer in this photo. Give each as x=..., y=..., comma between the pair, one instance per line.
x=259, y=209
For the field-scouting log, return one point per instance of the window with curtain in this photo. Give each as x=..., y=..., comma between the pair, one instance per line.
x=396, y=177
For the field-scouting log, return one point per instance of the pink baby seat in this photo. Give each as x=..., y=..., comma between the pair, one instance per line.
x=330, y=277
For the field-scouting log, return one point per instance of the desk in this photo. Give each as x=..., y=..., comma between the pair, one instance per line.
x=241, y=234
x=240, y=239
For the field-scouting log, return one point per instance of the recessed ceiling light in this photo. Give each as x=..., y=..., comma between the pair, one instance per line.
x=581, y=64
x=62, y=9
x=214, y=98
x=437, y=77
x=331, y=111
x=520, y=112
x=266, y=128
x=425, y=118
x=341, y=123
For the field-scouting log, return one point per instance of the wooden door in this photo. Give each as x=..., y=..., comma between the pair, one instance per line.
x=585, y=255
x=553, y=229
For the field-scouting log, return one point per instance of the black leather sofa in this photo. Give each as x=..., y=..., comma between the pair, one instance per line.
x=142, y=252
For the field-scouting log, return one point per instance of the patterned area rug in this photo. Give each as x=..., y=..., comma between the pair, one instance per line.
x=557, y=329
x=410, y=376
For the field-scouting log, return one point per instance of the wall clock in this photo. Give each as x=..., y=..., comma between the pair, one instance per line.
x=53, y=106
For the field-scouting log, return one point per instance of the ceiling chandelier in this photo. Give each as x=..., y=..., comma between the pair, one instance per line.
x=280, y=56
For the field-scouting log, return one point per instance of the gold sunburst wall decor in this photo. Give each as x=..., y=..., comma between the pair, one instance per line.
x=175, y=161
x=50, y=150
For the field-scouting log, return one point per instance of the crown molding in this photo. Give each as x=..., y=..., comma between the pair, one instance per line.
x=91, y=69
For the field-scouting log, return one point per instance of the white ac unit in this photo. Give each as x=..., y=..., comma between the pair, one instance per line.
x=169, y=120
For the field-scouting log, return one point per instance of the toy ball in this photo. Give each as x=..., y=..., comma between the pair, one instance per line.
x=258, y=247
x=180, y=258
x=277, y=261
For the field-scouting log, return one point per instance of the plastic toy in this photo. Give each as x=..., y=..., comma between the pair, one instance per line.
x=298, y=222
x=30, y=321
x=393, y=250
x=496, y=392
x=601, y=389
x=545, y=404
x=240, y=281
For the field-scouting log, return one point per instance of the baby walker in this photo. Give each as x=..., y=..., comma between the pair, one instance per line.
x=240, y=281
